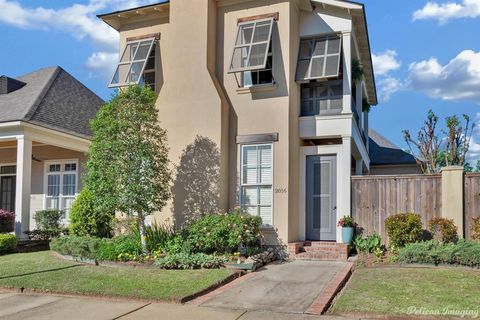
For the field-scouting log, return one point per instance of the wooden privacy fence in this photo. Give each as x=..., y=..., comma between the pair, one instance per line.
x=374, y=198
x=471, y=199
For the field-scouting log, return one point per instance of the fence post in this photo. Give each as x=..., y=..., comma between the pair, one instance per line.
x=452, y=196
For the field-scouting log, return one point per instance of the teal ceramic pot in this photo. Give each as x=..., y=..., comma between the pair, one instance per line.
x=347, y=235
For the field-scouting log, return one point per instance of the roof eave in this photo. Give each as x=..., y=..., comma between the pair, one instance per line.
x=113, y=19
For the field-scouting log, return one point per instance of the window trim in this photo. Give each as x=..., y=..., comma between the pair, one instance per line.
x=271, y=184
x=62, y=171
x=325, y=56
x=249, y=46
x=131, y=62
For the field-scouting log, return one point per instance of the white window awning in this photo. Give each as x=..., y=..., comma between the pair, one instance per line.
x=319, y=58
x=132, y=63
x=251, y=45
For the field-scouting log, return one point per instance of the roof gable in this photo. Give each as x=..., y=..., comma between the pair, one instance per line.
x=51, y=98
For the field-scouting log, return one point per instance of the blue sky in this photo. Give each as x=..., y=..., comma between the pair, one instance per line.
x=426, y=54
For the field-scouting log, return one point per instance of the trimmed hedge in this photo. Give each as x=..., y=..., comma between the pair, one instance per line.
x=403, y=228
x=8, y=243
x=7, y=221
x=464, y=252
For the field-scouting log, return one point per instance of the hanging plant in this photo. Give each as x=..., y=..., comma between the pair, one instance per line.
x=357, y=70
x=365, y=105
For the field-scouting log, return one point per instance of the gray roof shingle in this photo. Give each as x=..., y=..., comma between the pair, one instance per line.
x=54, y=99
x=383, y=152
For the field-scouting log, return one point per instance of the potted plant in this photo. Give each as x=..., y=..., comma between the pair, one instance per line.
x=347, y=223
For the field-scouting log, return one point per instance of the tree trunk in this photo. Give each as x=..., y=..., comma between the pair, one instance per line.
x=141, y=229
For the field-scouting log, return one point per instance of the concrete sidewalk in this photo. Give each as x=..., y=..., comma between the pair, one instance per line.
x=42, y=307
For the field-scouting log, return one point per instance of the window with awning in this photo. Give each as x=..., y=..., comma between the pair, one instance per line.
x=251, y=47
x=319, y=58
x=130, y=69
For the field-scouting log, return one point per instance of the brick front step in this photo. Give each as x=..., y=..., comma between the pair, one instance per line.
x=317, y=250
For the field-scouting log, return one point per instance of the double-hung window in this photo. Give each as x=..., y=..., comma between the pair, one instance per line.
x=252, y=56
x=319, y=58
x=61, y=185
x=136, y=65
x=256, y=181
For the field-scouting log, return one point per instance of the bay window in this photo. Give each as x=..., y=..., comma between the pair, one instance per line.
x=256, y=181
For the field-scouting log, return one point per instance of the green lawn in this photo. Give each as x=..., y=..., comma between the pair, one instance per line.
x=398, y=290
x=43, y=271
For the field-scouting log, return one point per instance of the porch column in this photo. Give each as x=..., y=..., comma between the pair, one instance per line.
x=23, y=184
x=347, y=72
x=343, y=204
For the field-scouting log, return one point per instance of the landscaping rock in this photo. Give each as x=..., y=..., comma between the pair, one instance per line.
x=261, y=259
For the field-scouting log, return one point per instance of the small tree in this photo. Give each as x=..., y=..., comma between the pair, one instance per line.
x=128, y=159
x=427, y=144
x=458, y=140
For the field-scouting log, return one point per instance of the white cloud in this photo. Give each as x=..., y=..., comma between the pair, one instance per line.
x=103, y=62
x=388, y=86
x=385, y=62
x=78, y=20
x=449, y=10
x=459, y=79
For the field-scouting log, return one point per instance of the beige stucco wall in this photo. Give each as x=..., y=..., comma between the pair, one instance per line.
x=198, y=97
x=43, y=153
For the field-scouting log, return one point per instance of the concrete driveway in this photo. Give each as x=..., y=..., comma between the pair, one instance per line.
x=290, y=287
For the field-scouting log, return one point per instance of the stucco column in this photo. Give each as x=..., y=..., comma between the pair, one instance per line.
x=343, y=198
x=452, y=196
x=347, y=72
x=23, y=184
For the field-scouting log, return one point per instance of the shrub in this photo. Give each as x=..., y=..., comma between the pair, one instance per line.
x=463, y=252
x=8, y=243
x=223, y=232
x=85, y=247
x=370, y=244
x=403, y=228
x=96, y=248
x=475, y=229
x=111, y=249
x=443, y=230
x=49, y=219
x=85, y=220
x=178, y=244
x=7, y=221
x=46, y=234
x=158, y=235
x=190, y=261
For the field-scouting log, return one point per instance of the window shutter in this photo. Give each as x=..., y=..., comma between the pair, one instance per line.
x=251, y=46
x=132, y=63
x=319, y=58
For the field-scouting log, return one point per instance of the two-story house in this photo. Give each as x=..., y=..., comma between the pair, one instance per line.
x=269, y=83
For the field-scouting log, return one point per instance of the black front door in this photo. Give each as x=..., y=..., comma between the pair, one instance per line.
x=7, y=193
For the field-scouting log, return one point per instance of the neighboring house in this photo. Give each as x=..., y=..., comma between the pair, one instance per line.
x=269, y=84
x=386, y=158
x=44, y=134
